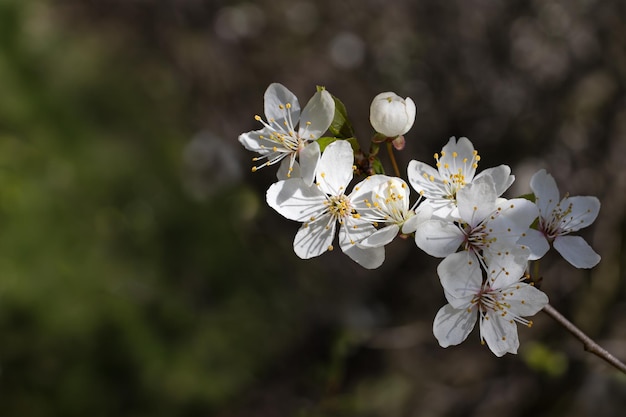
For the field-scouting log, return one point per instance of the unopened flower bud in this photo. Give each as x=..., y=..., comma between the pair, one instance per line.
x=391, y=115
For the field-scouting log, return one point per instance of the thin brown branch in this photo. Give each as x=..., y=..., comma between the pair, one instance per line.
x=393, y=160
x=589, y=344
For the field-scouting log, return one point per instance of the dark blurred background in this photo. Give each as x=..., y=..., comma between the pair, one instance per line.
x=142, y=274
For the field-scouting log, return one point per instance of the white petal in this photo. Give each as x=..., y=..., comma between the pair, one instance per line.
x=253, y=141
x=364, y=189
x=526, y=300
x=423, y=213
x=535, y=241
x=502, y=178
x=461, y=277
x=464, y=159
x=452, y=326
x=317, y=115
x=584, y=210
x=309, y=159
x=500, y=334
x=438, y=238
x=514, y=219
x=576, y=251
x=506, y=267
x=380, y=237
x=314, y=238
x=370, y=258
x=546, y=192
x=283, y=170
x=476, y=201
x=295, y=200
x=278, y=95
x=411, y=111
x=354, y=231
x=334, y=171
x=425, y=179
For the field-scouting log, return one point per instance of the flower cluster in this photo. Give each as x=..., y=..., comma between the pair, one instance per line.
x=485, y=241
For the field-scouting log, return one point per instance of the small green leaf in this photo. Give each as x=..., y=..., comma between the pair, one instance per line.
x=529, y=197
x=377, y=166
x=341, y=126
x=325, y=141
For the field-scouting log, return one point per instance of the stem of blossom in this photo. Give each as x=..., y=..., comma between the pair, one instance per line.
x=588, y=343
x=393, y=160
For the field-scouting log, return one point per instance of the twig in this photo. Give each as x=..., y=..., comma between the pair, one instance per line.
x=393, y=160
x=589, y=344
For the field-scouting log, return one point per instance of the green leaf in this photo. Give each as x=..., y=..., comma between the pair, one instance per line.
x=529, y=197
x=377, y=166
x=341, y=126
x=325, y=141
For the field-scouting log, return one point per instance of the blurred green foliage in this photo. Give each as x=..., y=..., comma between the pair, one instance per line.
x=116, y=293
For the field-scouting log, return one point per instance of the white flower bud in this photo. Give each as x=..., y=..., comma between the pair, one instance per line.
x=391, y=115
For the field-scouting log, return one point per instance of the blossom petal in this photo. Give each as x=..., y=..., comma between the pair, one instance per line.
x=411, y=111
x=295, y=200
x=535, y=241
x=583, y=212
x=317, y=115
x=354, y=231
x=526, y=300
x=278, y=95
x=514, y=219
x=458, y=156
x=461, y=277
x=256, y=141
x=499, y=333
x=334, y=171
x=283, y=170
x=315, y=238
x=361, y=195
x=309, y=159
x=425, y=179
x=506, y=266
x=423, y=213
x=380, y=237
x=476, y=201
x=452, y=326
x=438, y=238
x=502, y=178
x=546, y=192
x=576, y=251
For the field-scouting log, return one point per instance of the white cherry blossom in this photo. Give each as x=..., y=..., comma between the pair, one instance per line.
x=499, y=302
x=455, y=168
x=324, y=204
x=485, y=224
x=388, y=206
x=279, y=140
x=557, y=219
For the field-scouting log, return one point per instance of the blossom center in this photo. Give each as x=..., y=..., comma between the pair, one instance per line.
x=340, y=206
x=556, y=224
x=493, y=301
x=456, y=171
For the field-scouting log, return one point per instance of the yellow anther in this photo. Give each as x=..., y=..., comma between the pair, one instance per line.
x=257, y=117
